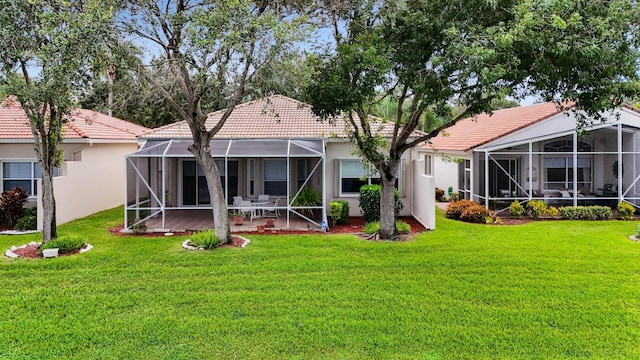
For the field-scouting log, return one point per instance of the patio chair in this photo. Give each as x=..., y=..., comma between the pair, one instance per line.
x=263, y=198
x=271, y=210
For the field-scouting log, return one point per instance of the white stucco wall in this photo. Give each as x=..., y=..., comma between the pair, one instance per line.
x=91, y=185
x=424, y=196
x=336, y=151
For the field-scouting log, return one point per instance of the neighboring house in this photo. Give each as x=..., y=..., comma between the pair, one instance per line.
x=537, y=152
x=273, y=146
x=93, y=148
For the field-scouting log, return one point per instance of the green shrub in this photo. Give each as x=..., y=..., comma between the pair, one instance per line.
x=370, y=202
x=638, y=231
x=308, y=196
x=454, y=197
x=475, y=213
x=205, y=239
x=552, y=211
x=138, y=227
x=344, y=217
x=516, y=209
x=536, y=208
x=371, y=227
x=455, y=209
x=626, y=211
x=439, y=195
x=403, y=227
x=64, y=243
x=335, y=211
x=28, y=222
x=585, y=212
x=32, y=211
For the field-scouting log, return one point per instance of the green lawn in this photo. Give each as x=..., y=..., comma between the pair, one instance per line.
x=551, y=289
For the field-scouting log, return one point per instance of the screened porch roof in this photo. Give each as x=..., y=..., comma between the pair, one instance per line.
x=236, y=148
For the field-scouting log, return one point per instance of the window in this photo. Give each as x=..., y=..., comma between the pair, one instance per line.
x=559, y=172
x=558, y=168
x=275, y=176
x=428, y=165
x=353, y=175
x=251, y=179
x=23, y=174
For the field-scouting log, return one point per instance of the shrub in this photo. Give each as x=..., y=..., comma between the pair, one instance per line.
x=65, y=243
x=28, y=222
x=308, y=196
x=344, y=217
x=455, y=209
x=335, y=211
x=638, y=231
x=371, y=227
x=552, y=211
x=439, y=195
x=11, y=203
x=138, y=227
x=32, y=211
x=403, y=227
x=536, y=208
x=205, y=239
x=625, y=211
x=370, y=202
x=475, y=213
x=454, y=197
x=585, y=212
x=516, y=209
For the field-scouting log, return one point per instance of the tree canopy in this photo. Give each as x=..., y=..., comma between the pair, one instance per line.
x=424, y=55
x=50, y=50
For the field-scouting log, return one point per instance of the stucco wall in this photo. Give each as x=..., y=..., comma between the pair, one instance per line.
x=336, y=151
x=424, y=196
x=94, y=184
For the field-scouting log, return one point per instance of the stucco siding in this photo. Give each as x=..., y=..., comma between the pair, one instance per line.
x=94, y=184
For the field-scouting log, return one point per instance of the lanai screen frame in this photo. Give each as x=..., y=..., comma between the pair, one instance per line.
x=306, y=148
x=487, y=153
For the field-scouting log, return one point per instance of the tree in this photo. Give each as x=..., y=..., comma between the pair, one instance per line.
x=425, y=54
x=214, y=51
x=49, y=51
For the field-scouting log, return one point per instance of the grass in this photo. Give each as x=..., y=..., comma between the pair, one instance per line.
x=550, y=289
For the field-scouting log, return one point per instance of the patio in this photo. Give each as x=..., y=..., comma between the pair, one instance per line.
x=190, y=220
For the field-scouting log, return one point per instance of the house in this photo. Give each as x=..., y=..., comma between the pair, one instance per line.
x=537, y=151
x=93, y=149
x=273, y=146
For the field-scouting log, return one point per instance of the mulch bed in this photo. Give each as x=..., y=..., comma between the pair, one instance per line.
x=354, y=226
x=33, y=252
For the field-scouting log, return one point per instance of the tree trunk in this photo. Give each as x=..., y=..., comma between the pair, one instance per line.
x=202, y=153
x=49, y=230
x=387, y=203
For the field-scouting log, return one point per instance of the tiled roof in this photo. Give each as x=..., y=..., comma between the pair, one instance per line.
x=472, y=132
x=84, y=124
x=275, y=116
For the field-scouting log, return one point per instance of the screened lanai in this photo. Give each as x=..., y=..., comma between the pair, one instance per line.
x=164, y=180
x=557, y=164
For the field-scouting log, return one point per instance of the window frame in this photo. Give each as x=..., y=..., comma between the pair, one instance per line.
x=33, y=180
x=375, y=179
x=284, y=180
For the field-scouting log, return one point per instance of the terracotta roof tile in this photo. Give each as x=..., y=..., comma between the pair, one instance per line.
x=275, y=116
x=472, y=132
x=84, y=124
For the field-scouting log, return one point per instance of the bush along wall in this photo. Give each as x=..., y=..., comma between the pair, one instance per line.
x=585, y=212
x=370, y=202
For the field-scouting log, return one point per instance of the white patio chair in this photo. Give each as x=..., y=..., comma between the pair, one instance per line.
x=271, y=210
x=263, y=198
